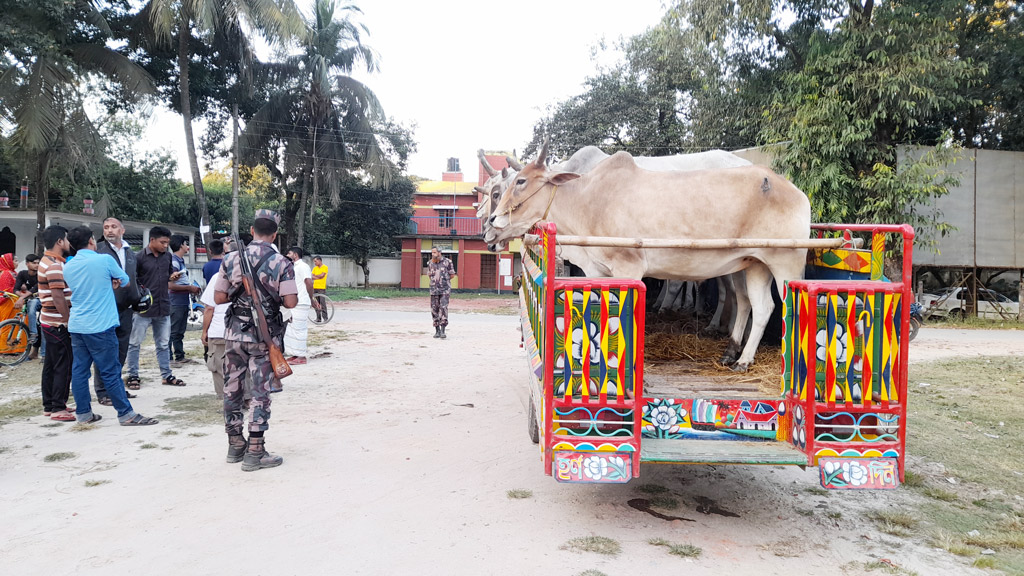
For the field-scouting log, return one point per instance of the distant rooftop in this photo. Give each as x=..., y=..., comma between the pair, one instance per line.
x=441, y=188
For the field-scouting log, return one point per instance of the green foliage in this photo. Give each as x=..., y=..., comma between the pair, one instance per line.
x=867, y=85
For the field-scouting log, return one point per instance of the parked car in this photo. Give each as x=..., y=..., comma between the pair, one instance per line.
x=952, y=303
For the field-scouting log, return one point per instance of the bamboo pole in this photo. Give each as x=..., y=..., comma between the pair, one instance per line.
x=692, y=243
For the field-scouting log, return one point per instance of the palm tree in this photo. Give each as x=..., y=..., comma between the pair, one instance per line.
x=276, y=20
x=40, y=83
x=322, y=117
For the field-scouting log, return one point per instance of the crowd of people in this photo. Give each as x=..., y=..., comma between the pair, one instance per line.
x=90, y=303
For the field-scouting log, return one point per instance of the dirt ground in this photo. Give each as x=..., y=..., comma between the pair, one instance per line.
x=399, y=452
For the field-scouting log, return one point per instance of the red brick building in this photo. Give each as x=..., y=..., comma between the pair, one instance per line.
x=444, y=215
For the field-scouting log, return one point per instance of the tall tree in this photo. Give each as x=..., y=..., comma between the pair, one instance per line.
x=325, y=120
x=54, y=45
x=194, y=23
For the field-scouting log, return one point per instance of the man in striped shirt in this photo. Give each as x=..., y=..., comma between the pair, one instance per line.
x=55, y=297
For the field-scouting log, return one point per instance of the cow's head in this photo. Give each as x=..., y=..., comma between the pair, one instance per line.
x=527, y=198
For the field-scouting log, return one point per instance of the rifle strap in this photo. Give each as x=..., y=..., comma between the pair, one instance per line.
x=255, y=274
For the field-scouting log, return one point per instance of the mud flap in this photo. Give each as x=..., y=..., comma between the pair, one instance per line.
x=859, y=473
x=593, y=467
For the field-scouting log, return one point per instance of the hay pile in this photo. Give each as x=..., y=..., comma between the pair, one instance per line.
x=698, y=355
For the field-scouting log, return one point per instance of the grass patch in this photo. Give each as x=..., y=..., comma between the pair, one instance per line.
x=59, y=456
x=519, y=494
x=681, y=550
x=651, y=489
x=195, y=410
x=963, y=406
x=833, y=514
x=148, y=446
x=591, y=573
x=167, y=447
x=595, y=544
x=984, y=562
x=94, y=483
x=912, y=479
x=80, y=427
x=816, y=490
x=940, y=494
x=664, y=501
x=52, y=425
x=321, y=337
x=894, y=523
x=19, y=409
x=169, y=433
x=887, y=568
x=197, y=434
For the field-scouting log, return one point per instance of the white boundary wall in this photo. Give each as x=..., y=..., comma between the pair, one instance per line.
x=341, y=271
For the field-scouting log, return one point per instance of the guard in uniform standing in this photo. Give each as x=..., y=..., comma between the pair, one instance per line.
x=244, y=353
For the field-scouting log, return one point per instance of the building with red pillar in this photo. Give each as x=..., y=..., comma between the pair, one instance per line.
x=444, y=216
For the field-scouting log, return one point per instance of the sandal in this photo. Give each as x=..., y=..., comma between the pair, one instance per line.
x=172, y=381
x=132, y=383
x=105, y=402
x=139, y=420
x=95, y=418
x=63, y=417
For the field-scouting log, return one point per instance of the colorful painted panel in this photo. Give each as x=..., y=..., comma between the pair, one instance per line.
x=848, y=427
x=583, y=467
x=595, y=342
x=859, y=474
x=844, y=259
x=586, y=421
x=709, y=419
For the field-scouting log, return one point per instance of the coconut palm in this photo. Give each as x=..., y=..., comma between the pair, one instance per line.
x=276, y=20
x=322, y=117
x=41, y=81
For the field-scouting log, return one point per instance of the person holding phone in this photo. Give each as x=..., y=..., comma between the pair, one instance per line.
x=154, y=270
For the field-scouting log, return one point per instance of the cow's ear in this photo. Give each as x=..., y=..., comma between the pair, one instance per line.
x=560, y=178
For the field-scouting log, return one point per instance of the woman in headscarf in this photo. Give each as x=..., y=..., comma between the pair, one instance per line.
x=7, y=278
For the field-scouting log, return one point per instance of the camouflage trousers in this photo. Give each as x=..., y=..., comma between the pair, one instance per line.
x=241, y=361
x=439, y=309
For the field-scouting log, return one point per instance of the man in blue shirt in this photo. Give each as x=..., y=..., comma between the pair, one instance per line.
x=215, y=252
x=94, y=319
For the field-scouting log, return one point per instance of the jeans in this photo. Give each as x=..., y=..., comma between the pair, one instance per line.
x=56, y=380
x=123, y=333
x=32, y=320
x=161, y=336
x=101, y=349
x=179, y=322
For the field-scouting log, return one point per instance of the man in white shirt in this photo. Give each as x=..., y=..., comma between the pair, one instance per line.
x=298, y=329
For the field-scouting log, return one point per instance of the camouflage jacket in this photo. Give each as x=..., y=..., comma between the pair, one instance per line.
x=277, y=276
x=440, y=275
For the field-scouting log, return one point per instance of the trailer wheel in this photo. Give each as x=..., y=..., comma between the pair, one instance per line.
x=531, y=422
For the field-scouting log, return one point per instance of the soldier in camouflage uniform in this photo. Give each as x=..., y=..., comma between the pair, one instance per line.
x=244, y=353
x=440, y=270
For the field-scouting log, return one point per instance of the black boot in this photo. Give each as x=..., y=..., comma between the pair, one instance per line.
x=437, y=331
x=236, y=448
x=257, y=456
x=442, y=332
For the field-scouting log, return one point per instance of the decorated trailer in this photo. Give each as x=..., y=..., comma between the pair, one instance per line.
x=841, y=404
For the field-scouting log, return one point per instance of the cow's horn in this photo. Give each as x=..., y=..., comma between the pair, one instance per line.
x=543, y=154
x=487, y=165
x=514, y=163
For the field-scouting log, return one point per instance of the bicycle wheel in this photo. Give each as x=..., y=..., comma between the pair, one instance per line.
x=14, y=346
x=326, y=312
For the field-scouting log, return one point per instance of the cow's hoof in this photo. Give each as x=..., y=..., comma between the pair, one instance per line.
x=727, y=360
x=739, y=367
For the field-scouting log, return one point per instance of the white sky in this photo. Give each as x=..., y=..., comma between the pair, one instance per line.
x=469, y=73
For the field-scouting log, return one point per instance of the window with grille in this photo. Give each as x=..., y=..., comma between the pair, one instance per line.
x=446, y=218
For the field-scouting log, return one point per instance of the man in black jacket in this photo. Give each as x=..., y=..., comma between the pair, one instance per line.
x=113, y=244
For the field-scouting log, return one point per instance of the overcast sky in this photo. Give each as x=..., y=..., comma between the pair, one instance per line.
x=472, y=74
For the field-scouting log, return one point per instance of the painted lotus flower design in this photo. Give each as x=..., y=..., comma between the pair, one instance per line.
x=593, y=346
x=595, y=467
x=663, y=417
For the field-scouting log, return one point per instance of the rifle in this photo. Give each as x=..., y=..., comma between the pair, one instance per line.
x=277, y=361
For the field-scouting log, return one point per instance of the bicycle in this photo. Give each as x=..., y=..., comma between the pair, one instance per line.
x=14, y=335
x=322, y=310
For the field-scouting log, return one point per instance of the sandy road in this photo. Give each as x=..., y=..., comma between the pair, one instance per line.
x=399, y=450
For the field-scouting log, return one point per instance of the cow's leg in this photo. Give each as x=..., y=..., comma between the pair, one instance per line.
x=688, y=298
x=736, y=285
x=715, y=325
x=671, y=294
x=759, y=295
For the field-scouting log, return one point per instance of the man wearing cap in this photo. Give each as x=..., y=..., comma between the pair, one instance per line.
x=244, y=353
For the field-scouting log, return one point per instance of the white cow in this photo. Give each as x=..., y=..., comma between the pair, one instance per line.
x=618, y=198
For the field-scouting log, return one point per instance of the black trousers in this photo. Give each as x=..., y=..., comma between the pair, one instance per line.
x=56, y=380
x=123, y=331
